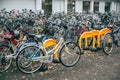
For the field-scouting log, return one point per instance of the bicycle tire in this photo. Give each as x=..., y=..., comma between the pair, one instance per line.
x=4, y=63
x=107, y=43
x=70, y=58
x=24, y=61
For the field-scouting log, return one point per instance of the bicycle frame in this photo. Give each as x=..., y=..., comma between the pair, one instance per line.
x=49, y=57
x=21, y=45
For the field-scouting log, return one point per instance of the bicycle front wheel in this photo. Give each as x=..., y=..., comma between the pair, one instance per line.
x=70, y=54
x=24, y=59
x=107, y=43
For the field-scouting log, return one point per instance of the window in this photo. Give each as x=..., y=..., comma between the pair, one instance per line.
x=86, y=6
x=107, y=6
x=96, y=6
x=71, y=6
x=47, y=6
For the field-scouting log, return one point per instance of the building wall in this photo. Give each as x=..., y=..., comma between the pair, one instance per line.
x=115, y=6
x=102, y=6
x=79, y=6
x=17, y=4
x=59, y=6
x=118, y=7
x=56, y=6
x=38, y=5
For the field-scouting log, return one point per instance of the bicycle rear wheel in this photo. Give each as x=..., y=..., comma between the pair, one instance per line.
x=70, y=54
x=107, y=43
x=24, y=59
x=4, y=62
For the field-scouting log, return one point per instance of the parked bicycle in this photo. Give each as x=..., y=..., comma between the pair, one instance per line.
x=9, y=50
x=33, y=55
x=111, y=38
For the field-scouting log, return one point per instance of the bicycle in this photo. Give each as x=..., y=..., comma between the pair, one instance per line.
x=111, y=38
x=69, y=55
x=8, y=51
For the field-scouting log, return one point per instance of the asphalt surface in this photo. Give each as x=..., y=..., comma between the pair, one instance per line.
x=92, y=66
